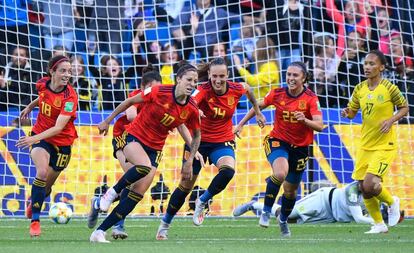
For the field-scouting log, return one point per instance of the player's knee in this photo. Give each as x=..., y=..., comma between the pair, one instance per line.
x=279, y=176
x=41, y=173
x=227, y=172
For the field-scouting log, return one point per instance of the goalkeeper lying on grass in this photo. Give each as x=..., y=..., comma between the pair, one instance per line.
x=326, y=205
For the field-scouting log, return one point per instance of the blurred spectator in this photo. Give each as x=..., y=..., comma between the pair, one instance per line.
x=350, y=70
x=168, y=10
x=381, y=31
x=112, y=82
x=247, y=41
x=84, y=12
x=17, y=81
x=81, y=83
x=13, y=27
x=200, y=25
x=403, y=64
x=353, y=18
x=325, y=69
x=169, y=56
x=290, y=31
x=266, y=68
x=59, y=23
x=108, y=23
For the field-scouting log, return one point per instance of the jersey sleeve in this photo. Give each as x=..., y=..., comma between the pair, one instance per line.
x=193, y=121
x=198, y=94
x=352, y=194
x=397, y=97
x=315, y=108
x=150, y=93
x=69, y=106
x=268, y=100
x=354, y=102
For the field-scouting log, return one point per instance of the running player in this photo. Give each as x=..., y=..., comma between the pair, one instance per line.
x=217, y=99
x=167, y=108
x=150, y=78
x=53, y=134
x=297, y=116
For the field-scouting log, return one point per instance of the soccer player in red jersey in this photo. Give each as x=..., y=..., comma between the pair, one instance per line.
x=150, y=78
x=217, y=99
x=167, y=107
x=297, y=115
x=52, y=135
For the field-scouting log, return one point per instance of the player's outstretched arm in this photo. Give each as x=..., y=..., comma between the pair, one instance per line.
x=187, y=170
x=25, y=113
x=27, y=141
x=358, y=216
x=315, y=123
x=260, y=119
x=238, y=129
x=104, y=125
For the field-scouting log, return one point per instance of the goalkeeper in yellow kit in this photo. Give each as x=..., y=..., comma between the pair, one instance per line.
x=377, y=99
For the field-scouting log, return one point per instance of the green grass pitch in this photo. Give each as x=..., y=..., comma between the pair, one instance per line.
x=215, y=235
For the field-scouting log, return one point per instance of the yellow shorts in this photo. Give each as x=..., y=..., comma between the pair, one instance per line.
x=376, y=162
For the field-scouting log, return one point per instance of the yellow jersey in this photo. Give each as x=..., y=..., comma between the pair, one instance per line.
x=264, y=81
x=376, y=106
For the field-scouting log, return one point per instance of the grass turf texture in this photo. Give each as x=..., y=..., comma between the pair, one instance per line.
x=215, y=235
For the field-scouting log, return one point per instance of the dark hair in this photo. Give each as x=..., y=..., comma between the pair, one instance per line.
x=303, y=68
x=149, y=74
x=380, y=56
x=55, y=61
x=184, y=68
x=217, y=61
x=202, y=71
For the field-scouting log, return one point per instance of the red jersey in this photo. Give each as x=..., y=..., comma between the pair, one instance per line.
x=122, y=122
x=217, y=126
x=161, y=115
x=51, y=105
x=286, y=127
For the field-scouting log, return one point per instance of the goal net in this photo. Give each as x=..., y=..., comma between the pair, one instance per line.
x=110, y=41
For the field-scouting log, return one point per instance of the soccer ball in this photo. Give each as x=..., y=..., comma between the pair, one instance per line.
x=60, y=213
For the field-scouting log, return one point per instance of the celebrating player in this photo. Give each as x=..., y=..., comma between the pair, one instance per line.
x=167, y=107
x=297, y=116
x=150, y=78
x=217, y=99
x=376, y=97
x=52, y=135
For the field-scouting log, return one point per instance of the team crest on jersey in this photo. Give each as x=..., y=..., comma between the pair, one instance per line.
x=380, y=98
x=230, y=100
x=184, y=114
x=302, y=105
x=211, y=100
x=282, y=103
x=57, y=102
x=42, y=94
x=166, y=106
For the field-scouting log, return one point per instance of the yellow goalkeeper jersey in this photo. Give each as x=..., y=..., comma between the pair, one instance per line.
x=376, y=106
